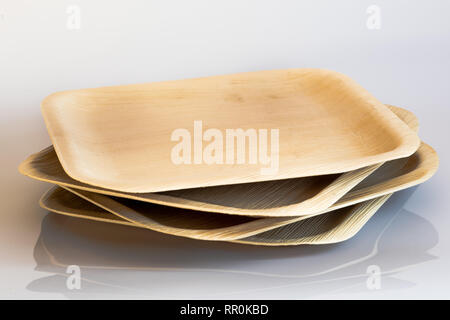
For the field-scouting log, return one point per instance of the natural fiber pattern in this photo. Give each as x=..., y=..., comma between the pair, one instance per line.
x=291, y=197
x=300, y=196
x=63, y=202
x=426, y=164
x=331, y=227
x=175, y=220
x=180, y=222
x=394, y=176
x=119, y=137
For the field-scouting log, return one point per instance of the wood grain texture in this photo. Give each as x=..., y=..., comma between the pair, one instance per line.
x=332, y=227
x=120, y=137
x=290, y=197
x=397, y=175
x=174, y=221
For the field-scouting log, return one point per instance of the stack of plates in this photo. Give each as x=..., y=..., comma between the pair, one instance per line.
x=286, y=157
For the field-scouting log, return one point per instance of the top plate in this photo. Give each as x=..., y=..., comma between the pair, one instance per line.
x=298, y=122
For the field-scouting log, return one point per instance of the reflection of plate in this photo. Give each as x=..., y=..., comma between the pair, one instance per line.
x=332, y=227
x=119, y=260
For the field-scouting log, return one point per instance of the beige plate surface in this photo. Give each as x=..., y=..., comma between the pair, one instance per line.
x=290, y=197
x=392, y=176
x=120, y=137
x=331, y=227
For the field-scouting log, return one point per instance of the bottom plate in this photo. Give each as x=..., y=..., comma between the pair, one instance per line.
x=332, y=227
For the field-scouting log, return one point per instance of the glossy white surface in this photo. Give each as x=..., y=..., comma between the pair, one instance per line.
x=404, y=63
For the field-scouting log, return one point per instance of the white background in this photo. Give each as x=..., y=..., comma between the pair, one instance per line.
x=405, y=63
